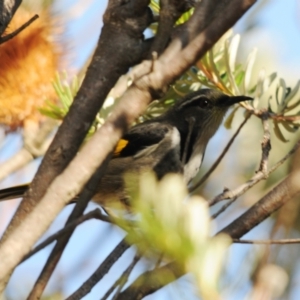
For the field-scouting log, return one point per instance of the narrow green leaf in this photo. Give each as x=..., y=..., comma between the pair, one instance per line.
x=290, y=127
x=292, y=106
x=280, y=94
x=278, y=132
x=248, y=70
x=233, y=49
x=230, y=69
x=216, y=72
x=268, y=81
x=293, y=92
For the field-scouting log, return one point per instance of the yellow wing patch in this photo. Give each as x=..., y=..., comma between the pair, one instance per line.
x=120, y=146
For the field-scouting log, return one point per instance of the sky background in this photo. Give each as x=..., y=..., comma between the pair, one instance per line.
x=274, y=30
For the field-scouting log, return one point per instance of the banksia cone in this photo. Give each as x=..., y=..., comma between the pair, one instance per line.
x=28, y=64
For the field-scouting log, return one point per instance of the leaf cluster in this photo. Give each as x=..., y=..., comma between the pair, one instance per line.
x=168, y=228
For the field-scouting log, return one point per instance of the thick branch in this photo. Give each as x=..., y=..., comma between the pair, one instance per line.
x=56, y=253
x=170, y=11
x=271, y=202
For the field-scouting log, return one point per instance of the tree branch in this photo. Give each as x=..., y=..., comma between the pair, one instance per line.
x=170, y=11
x=56, y=253
x=9, y=36
x=35, y=145
x=100, y=272
x=233, y=194
x=151, y=281
x=94, y=214
x=268, y=242
x=121, y=281
x=7, y=11
x=271, y=202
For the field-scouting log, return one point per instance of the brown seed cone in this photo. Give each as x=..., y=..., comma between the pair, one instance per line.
x=28, y=63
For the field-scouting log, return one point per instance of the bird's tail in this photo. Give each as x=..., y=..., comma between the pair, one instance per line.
x=13, y=192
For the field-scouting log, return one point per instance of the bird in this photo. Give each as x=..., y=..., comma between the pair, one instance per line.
x=173, y=142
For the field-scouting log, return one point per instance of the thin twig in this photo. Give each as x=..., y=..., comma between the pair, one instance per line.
x=56, y=253
x=100, y=272
x=289, y=154
x=94, y=214
x=230, y=194
x=263, y=166
x=265, y=144
x=7, y=11
x=151, y=281
x=216, y=163
x=122, y=279
x=267, y=242
x=34, y=146
x=223, y=208
x=17, y=31
x=271, y=202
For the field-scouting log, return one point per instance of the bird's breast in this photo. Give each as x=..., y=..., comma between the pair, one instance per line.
x=192, y=167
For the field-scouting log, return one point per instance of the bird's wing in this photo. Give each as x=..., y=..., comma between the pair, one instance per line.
x=162, y=157
x=140, y=137
x=141, y=140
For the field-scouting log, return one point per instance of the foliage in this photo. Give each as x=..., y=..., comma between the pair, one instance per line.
x=179, y=230
x=218, y=69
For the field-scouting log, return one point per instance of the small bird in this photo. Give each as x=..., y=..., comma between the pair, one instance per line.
x=174, y=142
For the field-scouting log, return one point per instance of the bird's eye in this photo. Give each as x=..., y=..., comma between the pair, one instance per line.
x=195, y=102
x=204, y=104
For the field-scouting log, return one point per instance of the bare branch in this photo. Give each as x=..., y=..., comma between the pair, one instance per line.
x=230, y=194
x=271, y=202
x=100, y=272
x=9, y=36
x=34, y=146
x=95, y=214
x=121, y=281
x=56, y=253
x=265, y=144
x=151, y=281
x=170, y=11
x=7, y=11
x=267, y=242
x=223, y=208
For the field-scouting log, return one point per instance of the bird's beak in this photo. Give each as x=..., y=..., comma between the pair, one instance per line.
x=236, y=99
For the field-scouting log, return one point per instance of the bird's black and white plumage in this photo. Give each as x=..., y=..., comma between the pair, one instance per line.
x=174, y=142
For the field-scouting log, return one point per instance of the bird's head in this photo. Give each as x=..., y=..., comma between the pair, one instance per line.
x=206, y=108
x=197, y=116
